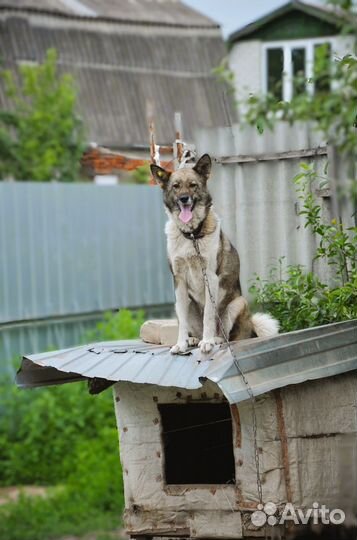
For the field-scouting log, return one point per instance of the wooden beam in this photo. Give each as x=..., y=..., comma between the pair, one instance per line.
x=273, y=156
x=178, y=146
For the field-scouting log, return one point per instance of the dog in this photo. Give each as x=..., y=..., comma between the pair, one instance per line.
x=205, y=265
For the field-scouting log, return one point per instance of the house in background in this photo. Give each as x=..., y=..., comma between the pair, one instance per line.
x=124, y=56
x=268, y=54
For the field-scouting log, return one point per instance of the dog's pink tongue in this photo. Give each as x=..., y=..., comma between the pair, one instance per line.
x=185, y=214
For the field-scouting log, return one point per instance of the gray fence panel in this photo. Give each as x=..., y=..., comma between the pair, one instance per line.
x=257, y=201
x=76, y=250
x=73, y=248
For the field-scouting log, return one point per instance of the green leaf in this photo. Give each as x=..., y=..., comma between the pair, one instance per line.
x=261, y=125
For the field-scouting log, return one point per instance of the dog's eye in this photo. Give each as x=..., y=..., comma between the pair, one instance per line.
x=193, y=185
x=176, y=186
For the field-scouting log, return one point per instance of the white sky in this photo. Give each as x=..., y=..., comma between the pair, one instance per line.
x=233, y=14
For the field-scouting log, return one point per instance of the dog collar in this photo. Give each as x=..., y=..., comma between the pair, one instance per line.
x=196, y=233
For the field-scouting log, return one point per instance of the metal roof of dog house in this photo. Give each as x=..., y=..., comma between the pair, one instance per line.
x=268, y=363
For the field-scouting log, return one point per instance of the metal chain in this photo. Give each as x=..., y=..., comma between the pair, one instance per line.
x=236, y=363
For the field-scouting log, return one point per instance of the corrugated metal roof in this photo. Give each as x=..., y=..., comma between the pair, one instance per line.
x=120, y=68
x=272, y=363
x=161, y=12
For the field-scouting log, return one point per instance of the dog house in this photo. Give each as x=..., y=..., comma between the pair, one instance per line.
x=187, y=437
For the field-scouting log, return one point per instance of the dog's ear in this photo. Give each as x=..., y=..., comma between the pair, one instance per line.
x=203, y=166
x=160, y=175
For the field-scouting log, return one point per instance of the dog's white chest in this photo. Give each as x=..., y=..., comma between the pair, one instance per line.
x=187, y=264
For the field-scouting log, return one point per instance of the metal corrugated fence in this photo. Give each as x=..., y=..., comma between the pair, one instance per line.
x=71, y=251
x=257, y=200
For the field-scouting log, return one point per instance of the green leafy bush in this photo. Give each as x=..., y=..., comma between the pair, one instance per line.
x=91, y=499
x=39, y=430
x=123, y=324
x=298, y=299
x=61, y=436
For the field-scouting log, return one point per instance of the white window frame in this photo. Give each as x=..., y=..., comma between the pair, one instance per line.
x=287, y=46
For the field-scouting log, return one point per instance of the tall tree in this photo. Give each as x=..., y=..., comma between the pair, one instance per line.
x=41, y=135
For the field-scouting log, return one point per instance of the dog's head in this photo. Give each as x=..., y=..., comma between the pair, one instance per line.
x=185, y=192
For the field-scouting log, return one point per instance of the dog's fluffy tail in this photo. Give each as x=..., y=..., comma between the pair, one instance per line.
x=265, y=325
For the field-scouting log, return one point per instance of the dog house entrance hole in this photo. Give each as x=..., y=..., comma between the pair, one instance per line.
x=198, y=443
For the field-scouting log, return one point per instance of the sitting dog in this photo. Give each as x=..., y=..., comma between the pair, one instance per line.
x=204, y=264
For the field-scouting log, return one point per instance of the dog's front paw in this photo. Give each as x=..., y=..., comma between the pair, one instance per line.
x=206, y=345
x=193, y=341
x=180, y=347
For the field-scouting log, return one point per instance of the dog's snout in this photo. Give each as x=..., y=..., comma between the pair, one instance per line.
x=184, y=199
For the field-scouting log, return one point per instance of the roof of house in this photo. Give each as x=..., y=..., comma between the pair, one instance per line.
x=124, y=59
x=267, y=363
x=324, y=13
x=161, y=12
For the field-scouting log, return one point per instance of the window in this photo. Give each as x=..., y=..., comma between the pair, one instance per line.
x=275, y=72
x=298, y=58
x=288, y=65
x=198, y=443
